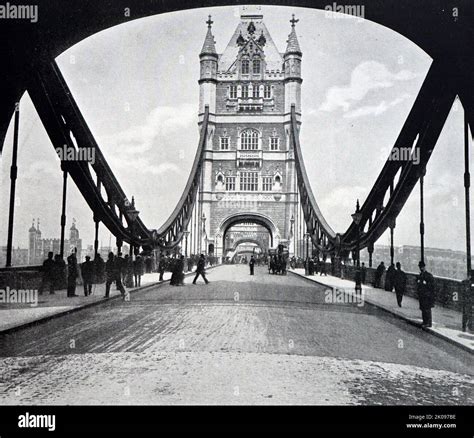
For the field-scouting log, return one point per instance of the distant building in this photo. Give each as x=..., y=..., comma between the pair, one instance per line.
x=38, y=247
x=19, y=256
x=440, y=262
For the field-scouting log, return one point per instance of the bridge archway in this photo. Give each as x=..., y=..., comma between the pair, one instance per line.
x=244, y=241
x=253, y=218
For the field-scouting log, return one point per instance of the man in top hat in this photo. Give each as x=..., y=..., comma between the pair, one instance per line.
x=426, y=294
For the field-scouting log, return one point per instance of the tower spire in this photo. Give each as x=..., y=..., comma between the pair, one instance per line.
x=209, y=46
x=293, y=44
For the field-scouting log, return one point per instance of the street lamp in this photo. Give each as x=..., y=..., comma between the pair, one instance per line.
x=306, y=267
x=203, y=219
x=186, y=234
x=132, y=213
x=357, y=217
x=292, y=222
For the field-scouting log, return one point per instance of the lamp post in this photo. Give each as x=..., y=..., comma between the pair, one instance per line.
x=186, y=234
x=203, y=219
x=132, y=213
x=306, y=270
x=357, y=217
x=292, y=222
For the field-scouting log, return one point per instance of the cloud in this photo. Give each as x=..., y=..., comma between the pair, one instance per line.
x=375, y=110
x=136, y=147
x=367, y=76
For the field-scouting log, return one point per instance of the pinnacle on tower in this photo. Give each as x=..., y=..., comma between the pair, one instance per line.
x=209, y=46
x=293, y=45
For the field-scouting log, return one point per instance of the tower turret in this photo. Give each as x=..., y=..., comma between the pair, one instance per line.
x=32, y=244
x=208, y=76
x=292, y=67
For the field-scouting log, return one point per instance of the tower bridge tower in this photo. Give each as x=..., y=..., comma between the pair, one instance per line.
x=249, y=168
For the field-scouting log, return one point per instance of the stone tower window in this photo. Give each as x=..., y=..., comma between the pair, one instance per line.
x=249, y=181
x=256, y=66
x=230, y=183
x=245, y=67
x=256, y=91
x=274, y=143
x=224, y=143
x=233, y=92
x=267, y=183
x=267, y=93
x=249, y=139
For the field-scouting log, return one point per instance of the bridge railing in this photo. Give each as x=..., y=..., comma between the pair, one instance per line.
x=21, y=277
x=449, y=292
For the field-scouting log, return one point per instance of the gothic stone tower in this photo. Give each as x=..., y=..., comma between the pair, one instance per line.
x=249, y=168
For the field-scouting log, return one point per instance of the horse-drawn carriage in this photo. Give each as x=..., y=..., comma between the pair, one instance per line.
x=278, y=260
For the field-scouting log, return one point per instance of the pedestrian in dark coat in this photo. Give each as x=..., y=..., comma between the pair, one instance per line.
x=128, y=271
x=180, y=271
x=252, y=265
x=121, y=267
x=161, y=266
x=323, y=270
x=311, y=266
x=138, y=269
x=200, y=269
x=426, y=294
x=99, y=269
x=87, y=270
x=59, y=273
x=113, y=274
x=174, y=272
x=388, y=286
x=378, y=274
x=399, y=282
x=48, y=274
x=72, y=274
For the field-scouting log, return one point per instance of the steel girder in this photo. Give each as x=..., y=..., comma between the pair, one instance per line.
x=322, y=235
x=65, y=125
x=420, y=133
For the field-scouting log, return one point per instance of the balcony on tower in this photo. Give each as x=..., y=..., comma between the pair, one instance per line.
x=249, y=158
x=250, y=104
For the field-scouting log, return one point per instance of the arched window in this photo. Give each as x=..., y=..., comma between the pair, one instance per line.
x=256, y=66
x=245, y=66
x=249, y=139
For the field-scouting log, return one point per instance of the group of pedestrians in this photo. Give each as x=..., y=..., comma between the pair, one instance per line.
x=396, y=279
x=177, y=266
x=59, y=275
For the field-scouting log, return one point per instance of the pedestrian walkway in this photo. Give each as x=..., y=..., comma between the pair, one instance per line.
x=13, y=316
x=446, y=322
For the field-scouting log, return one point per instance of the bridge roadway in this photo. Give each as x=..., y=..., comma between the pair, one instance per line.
x=239, y=340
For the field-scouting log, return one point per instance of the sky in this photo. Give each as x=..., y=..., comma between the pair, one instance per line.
x=136, y=85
